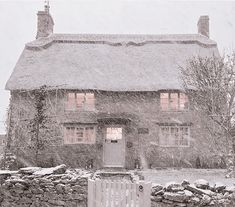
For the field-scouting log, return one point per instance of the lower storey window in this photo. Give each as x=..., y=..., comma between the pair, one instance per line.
x=79, y=134
x=171, y=136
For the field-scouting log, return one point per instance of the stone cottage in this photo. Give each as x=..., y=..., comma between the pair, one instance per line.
x=117, y=100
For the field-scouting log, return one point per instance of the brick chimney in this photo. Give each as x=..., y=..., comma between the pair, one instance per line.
x=203, y=26
x=45, y=22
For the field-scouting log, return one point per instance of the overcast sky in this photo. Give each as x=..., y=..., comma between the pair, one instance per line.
x=18, y=23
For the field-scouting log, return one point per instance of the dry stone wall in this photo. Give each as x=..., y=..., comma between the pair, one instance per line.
x=48, y=187
x=192, y=195
x=62, y=187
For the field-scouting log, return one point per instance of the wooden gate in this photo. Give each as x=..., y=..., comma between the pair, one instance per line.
x=118, y=193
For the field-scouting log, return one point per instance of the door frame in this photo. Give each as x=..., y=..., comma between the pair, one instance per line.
x=104, y=130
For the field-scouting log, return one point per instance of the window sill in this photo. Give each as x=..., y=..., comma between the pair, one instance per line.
x=174, y=146
x=175, y=111
x=78, y=110
x=79, y=143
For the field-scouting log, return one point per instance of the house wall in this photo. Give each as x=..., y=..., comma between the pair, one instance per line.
x=2, y=143
x=76, y=155
x=142, y=109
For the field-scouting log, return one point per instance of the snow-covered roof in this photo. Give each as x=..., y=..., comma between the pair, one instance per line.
x=107, y=62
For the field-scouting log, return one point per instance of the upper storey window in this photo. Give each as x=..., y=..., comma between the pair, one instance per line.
x=80, y=101
x=174, y=101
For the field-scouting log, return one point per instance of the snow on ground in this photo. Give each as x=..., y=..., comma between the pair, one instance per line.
x=7, y=172
x=44, y=171
x=168, y=175
x=51, y=170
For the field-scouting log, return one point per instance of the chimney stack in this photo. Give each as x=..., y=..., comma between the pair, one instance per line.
x=203, y=26
x=45, y=22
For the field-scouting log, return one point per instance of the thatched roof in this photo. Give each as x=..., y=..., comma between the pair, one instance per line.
x=107, y=62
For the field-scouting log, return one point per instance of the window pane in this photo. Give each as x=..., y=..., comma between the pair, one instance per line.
x=114, y=133
x=80, y=98
x=164, y=95
x=66, y=134
x=72, y=134
x=164, y=138
x=174, y=101
x=79, y=134
x=90, y=101
x=183, y=101
x=185, y=136
x=171, y=139
x=69, y=135
x=90, y=135
x=164, y=104
x=176, y=136
x=70, y=104
x=164, y=101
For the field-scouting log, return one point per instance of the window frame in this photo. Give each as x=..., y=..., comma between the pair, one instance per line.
x=66, y=135
x=84, y=105
x=178, y=127
x=167, y=101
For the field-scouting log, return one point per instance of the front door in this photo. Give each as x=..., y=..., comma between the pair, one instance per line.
x=114, y=147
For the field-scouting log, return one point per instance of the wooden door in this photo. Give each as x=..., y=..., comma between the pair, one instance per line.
x=114, y=147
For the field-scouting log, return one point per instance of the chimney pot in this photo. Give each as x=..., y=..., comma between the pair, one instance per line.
x=203, y=26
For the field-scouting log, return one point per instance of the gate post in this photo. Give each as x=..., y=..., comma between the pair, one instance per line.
x=98, y=193
x=91, y=193
x=144, y=192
